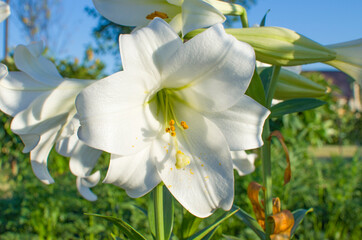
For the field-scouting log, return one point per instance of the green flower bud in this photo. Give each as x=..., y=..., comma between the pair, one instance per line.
x=292, y=85
x=281, y=46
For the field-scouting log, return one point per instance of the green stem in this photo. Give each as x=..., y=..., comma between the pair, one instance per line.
x=244, y=19
x=266, y=156
x=158, y=201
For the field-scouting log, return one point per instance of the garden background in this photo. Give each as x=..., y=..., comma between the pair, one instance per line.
x=324, y=145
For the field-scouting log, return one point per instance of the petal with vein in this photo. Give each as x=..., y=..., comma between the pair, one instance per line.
x=114, y=116
x=242, y=124
x=211, y=75
x=133, y=12
x=207, y=182
x=134, y=173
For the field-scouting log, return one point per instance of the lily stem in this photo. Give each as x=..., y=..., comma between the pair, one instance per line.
x=266, y=156
x=159, y=217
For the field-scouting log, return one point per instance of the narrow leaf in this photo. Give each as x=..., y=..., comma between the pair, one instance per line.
x=189, y=225
x=295, y=105
x=265, y=77
x=250, y=222
x=115, y=237
x=298, y=218
x=204, y=232
x=262, y=23
x=256, y=89
x=125, y=228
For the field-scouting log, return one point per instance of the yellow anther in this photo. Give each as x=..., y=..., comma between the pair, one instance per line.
x=167, y=129
x=173, y=134
x=181, y=160
x=172, y=122
x=156, y=14
x=173, y=128
x=185, y=126
x=183, y=123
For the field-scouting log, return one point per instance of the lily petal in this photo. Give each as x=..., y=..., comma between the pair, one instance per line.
x=36, y=66
x=242, y=124
x=83, y=159
x=4, y=11
x=147, y=46
x=134, y=173
x=243, y=162
x=199, y=14
x=207, y=182
x=83, y=185
x=133, y=12
x=201, y=68
x=118, y=121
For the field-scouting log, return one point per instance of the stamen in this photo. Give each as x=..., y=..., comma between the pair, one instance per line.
x=173, y=128
x=181, y=160
x=172, y=122
x=156, y=14
x=168, y=130
x=173, y=134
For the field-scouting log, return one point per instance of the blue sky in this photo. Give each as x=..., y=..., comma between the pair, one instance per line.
x=325, y=21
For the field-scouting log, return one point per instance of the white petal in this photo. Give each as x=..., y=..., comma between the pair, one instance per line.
x=83, y=159
x=242, y=124
x=4, y=11
x=18, y=90
x=134, y=173
x=207, y=182
x=39, y=155
x=114, y=114
x=133, y=12
x=83, y=185
x=349, y=59
x=37, y=67
x=144, y=48
x=243, y=162
x=212, y=70
x=199, y=14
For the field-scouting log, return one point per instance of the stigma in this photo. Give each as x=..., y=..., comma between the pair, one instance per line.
x=156, y=14
x=182, y=160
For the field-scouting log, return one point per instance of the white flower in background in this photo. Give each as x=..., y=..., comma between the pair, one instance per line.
x=183, y=15
x=348, y=58
x=174, y=114
x=4, y=11
x=43, y=106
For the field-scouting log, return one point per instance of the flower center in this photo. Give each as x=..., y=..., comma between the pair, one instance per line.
x=156, y=14
x=171, y=123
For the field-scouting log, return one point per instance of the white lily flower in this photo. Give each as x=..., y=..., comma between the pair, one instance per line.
x=4, y=11
x=183, y=15
x=43, y=106
x=243, y=162
x=348, y=58
x=174, y=114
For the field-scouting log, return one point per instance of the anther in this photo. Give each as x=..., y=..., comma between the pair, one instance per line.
x=167, y=130
x=156, y=14
x=173, y=134
x=172, y=122
x=173, y=128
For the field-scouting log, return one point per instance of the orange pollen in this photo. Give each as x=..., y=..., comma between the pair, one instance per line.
x=173, y=134
x=173, y=128
x=172, y=122
x=168, y=130
x=156, y=14
x=185, y=126
x=183, y=123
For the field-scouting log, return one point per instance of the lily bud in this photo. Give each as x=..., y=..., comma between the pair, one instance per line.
x=292, y=85
x=281, y=46
x=349, y=58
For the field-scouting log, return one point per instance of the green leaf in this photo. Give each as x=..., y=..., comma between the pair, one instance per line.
x=256, y=89
x=295, y=105
x=115, y=237
x=262, y=23
x=207, y=232
x=265, y=77
x=298, y=218
x=250, y=222
x=168, y=217
x=126, y=229
x=189, y=224
x=228, y=237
